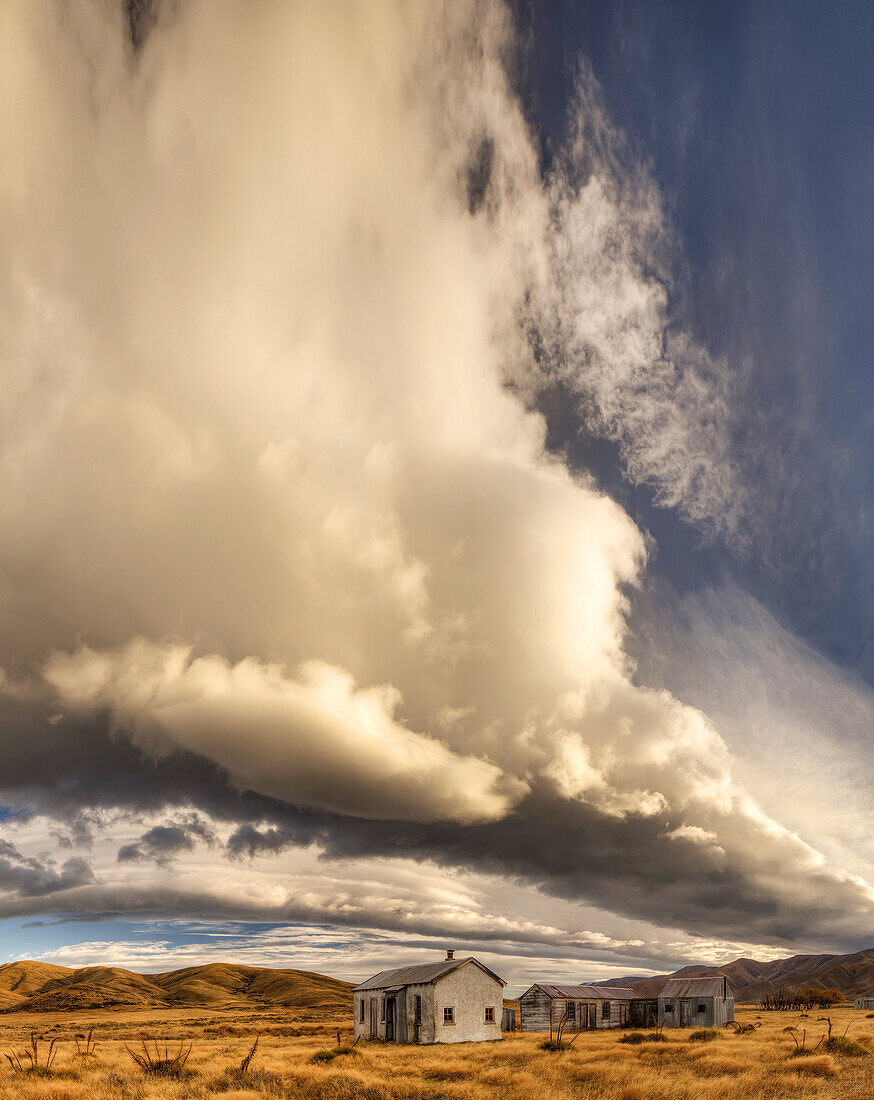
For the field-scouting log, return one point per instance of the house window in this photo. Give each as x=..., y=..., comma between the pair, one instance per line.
x=669, y=1008
x=361, y=1014
x=605, y=1010
x=418, y=1010
x=448, y=1015
x=571, y=1010
x=490, y=1014
x=701, y=1008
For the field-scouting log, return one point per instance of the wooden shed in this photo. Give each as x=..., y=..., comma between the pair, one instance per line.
x=696, y=1002
x=581, y=1007
x=864, y=1002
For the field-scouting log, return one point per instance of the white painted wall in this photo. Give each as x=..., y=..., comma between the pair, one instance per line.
x=469, y=990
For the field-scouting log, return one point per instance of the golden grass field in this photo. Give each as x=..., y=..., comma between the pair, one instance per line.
x=754, y=1066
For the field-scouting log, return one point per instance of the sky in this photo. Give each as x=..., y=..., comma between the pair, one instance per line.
x=437, y=481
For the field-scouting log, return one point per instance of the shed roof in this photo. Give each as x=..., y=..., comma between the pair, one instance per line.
x=587, y=992
x=423, y=974
x=695, y=987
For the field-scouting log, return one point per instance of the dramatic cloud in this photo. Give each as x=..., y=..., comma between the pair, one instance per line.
x=281, y=541
x=313, y=741
x=28, y=877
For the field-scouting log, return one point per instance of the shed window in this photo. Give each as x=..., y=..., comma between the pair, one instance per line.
x=418, y=1009
x=701, y=1008
x=669, y=1008
x=490, y=1014
x=448, y=1015
x=571, y=1010
x=361, y=1014
x=605, y=1010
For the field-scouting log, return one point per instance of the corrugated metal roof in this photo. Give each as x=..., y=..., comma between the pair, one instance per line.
x=420, y=975
x=588, y=992
x=693, y=987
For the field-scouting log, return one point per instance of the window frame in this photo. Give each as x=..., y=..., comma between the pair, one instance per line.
x=417, y=1009
x=490, y=1014
x=361, y=1014
x=448, y=1015
x=606, y=1010
x=700, y=1008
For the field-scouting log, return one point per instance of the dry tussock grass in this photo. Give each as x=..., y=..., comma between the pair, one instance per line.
x=752, y=1066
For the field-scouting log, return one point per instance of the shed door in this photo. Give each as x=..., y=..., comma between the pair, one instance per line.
x=373, y=1018
x=623, y=1015
x=389, y=1019
x=685, y=1013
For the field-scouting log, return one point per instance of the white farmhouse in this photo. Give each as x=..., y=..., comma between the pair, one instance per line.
x=453, y=1001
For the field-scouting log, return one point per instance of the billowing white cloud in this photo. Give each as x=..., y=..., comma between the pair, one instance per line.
x=267, y=297
x=313, y=740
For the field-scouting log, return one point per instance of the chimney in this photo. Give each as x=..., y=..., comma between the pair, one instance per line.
x=449, y=954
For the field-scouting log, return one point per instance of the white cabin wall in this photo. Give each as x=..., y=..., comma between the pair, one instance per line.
x=468, y=989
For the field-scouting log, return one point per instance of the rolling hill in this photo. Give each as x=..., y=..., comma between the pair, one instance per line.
x=852, y=974
x=39, y=987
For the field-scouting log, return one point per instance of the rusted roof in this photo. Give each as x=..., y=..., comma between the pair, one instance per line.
x=694, y=987
x=423, y=974
x=587, y=992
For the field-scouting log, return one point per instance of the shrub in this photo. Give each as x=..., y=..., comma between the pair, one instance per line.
x=244, y=1077
x=325, y=1055
x=840, y=1044
x=785, y=997
x=810, y=996
x=554, y=1045
x=704, y=1035
x=28, y=1064
x=635, y=1037
x=162, y=1065
x=88, y=1047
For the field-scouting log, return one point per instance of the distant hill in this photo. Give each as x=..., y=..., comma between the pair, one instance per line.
x=852, y=974
x=39, y=987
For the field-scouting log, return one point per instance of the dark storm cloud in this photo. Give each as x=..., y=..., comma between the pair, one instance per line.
x=26, y=877
x=570, y=850
x=160, y=843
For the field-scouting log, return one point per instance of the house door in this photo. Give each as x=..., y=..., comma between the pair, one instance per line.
x=373, y=1018
x=591, y=1018
x=389, y=1019
x=623, y=1015
x=685, y=1013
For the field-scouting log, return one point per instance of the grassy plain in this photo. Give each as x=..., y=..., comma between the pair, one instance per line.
x=756, y=1066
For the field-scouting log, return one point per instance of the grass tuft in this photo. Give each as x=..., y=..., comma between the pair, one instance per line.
x=817, y=1065
x=840, y=1044
x=636, y=1037
x=704, y=1035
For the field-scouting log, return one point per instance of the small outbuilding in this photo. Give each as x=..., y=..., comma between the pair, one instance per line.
x=581, y=1007
x=453, y=1001
x=696, y=1002
x=864, y=1002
